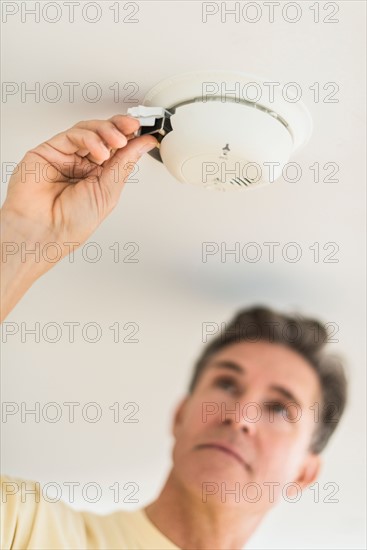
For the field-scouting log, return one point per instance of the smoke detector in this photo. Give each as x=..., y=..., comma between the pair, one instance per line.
x=223, y=130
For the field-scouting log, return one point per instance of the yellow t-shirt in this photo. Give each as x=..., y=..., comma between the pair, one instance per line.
x=30, y=525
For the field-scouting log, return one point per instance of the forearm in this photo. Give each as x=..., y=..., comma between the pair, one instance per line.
x=20, y=268
x=47, y=206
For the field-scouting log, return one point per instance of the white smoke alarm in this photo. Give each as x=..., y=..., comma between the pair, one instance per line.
x=223, y=130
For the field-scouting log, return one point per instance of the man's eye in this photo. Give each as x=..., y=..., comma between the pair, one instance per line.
x=276, y=407
x=226, y=383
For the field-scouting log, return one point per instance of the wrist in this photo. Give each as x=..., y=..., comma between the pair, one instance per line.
x=22, y=262
x=18, y=228
x=28, y=238
x=34, y=241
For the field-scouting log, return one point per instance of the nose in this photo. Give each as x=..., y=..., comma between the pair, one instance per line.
x=241, y=416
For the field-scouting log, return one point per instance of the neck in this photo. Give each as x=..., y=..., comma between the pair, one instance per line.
x=191, y=524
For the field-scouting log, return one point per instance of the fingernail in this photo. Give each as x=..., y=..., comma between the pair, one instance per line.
x=118, y=133
x=147, y=147
x=133, y=118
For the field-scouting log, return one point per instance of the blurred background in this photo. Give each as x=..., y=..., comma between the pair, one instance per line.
x=138, y=296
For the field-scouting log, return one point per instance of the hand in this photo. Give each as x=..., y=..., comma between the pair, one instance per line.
x=62, y=189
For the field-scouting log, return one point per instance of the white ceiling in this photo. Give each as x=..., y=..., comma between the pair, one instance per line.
x=170, y=292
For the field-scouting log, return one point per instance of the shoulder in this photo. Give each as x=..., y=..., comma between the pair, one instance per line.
x=29, y=519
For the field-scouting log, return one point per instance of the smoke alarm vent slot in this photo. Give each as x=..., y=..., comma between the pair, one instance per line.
x=242, y=181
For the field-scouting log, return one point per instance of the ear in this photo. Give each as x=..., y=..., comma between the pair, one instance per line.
x=178, y=416
x=308, y=473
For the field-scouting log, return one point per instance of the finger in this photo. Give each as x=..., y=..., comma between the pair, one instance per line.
x=59, y=159
x=116, y=171
x=126, y=124
x=64, y=152
x=77, y=139
x=111, y=135
x=115, y=133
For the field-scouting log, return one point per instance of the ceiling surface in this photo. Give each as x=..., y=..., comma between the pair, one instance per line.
x=170, y=294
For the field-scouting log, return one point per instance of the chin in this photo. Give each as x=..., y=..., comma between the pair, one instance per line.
x=197, y=476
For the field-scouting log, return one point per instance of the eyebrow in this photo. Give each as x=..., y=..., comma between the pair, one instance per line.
x=231, y=365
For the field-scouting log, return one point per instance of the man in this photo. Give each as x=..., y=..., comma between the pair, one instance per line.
x=262, y=403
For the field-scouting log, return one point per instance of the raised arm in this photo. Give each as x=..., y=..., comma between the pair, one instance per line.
x=59, y=193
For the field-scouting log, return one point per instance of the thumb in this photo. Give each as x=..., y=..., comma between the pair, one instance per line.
x=117, y=169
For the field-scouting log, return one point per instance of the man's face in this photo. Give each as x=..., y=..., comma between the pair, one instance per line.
x=255, y=399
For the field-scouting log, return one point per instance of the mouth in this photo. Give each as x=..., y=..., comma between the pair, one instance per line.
x=226, y=450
